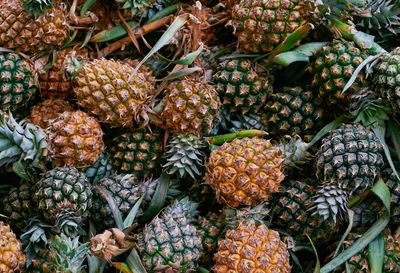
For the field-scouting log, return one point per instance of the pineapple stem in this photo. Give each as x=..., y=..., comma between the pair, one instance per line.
x=218, y=140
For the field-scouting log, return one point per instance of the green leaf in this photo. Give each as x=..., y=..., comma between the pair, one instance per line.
x=383, y=192
x=202, y=270
x=19, y=169
x=376, y=254
x=188, y=59
x=113, y=33
x=350, y=213
x=318, y=264
x=87, y=6
x=359, y=245
x=134, y=262
x=157, y=202
x=183, y=72
x=290, y=57
x=164, y=12
x=218, y=140
x=309, y=48
x=133, y=212
x=357, y=71
x=394, y=130
x=70, y=40
x=116, y=212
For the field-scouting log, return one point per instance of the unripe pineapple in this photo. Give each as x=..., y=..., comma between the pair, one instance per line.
x=137, y=152
x=241, y=88
x=190, y=107
x=75, y=139
x=12, y=259
x=64, y=198
x=171, y=242
x=245, y=171
x=53, y=82
x=102, y=168
x=107, y=89
x=351, y=155
x=17, y=81
x=294, y=111
x=45, y=112
x=331, y=69
x=24, y=32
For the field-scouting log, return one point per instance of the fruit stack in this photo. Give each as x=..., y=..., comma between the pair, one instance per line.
x=199, y=136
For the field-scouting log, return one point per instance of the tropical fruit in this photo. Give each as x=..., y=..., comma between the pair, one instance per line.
x=44, y=113
x=102, y=168
x=12, y=258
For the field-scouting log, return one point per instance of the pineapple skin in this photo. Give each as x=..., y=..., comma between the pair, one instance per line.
x=245, y=171
x=44, y=113
x=12, y=258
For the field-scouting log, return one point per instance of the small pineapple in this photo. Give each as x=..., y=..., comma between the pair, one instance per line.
x=190, y=107
x=137, y=152
x=44, y=113
x=172, y=242
x=351, y=155
x=12, y=259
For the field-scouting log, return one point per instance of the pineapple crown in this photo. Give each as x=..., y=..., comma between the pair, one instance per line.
x=69, y=254
x=22, y=144
x=36, y=7
x=294, y=151
x=183, y=207
x=102, y=168
x=330, y=201
x=136, y=6
x=184, y=155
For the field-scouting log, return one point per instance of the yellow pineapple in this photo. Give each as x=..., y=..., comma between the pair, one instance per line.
x=12, y=259
x=45, y=112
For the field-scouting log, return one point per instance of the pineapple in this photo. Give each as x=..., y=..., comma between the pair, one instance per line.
x=233, y=122
x=12, y=259
x=190, y=106
x=53, y=81
x=241, y=87
x=294, y=111
x=103, y=168
x=332, y=67
x=137, y=152
x=64, y=198
x=44, y=113
x=107, y=89
x=245, y=172
x=136, y=7
x=17, y=81
x=24, y=32
x=172, y=242
x=75, y=139
x=351, y=155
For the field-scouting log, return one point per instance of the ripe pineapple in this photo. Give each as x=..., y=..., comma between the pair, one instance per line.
x=137, y=152
x=75, y=139
x=171, y=242
x=241, y=88
x=245, y=171
x=294, y=111
x=351, y=155
x=53, y=81
x=12, y=259
x=64, y=198
x=190, y=106
x=359, y=262
x=332, y=67
x=104, y=88
x=22, y=31
x=45, y=112
x=17, y=81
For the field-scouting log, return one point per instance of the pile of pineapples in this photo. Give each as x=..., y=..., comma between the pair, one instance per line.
x=248, y=136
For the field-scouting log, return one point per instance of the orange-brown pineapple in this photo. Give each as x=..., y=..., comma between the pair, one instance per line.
x=45, y=112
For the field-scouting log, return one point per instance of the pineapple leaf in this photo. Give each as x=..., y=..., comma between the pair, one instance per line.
x=133, y=212
x=87, y=6
x=113, y=33
x=116, y=212
x=376, y=254
x=357, y=71
x=350, y=214
x=183, y=72
x=393, y=127
x=165, y=12
x=188, y=59
x=290, y=57
x=134, y=262
x=37, y=7
x=383, y=192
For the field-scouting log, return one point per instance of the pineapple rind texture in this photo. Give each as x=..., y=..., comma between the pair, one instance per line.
x=12, y=258
x=44, y=113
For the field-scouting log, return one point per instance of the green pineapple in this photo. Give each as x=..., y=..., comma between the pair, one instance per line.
x=350, y=155
x=172, y=242
x=64, y=198
x=241, y=87
x=232, y=122
x=137, y=152
x=102, y=168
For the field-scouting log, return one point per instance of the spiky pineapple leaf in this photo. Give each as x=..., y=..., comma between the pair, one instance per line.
x=87, y=6
x=350, y=214
x=113, y=33
x=188, y=59
x=36, y=7
x=133, y=212
x=165, y=12
x=376, y=254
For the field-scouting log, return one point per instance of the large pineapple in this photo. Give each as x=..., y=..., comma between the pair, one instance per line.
x=171, y=242
x=22, y=31
x=17, y=81
x=331, y=69
x=351, y=155
x=294, y=111
x=44, y=113
x=64, y=198
x=12, y=259
x=241, y=87
x=245, y=171
x=137, y=152
x=190, y=107
x=75, y=139
x=109, y=90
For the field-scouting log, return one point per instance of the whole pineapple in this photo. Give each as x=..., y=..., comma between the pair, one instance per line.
x=17, y=81
x=137, y=152
x=172, y=242
x=108, y=89
x=12, y=258
x=22, y=31
x=294, y=111
x=44, y=113
x=351, y=155
x=64, y=198
x=190, y=107
x=241, y=87
x=75, y=139
x=331, y=69
x=245, y=171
